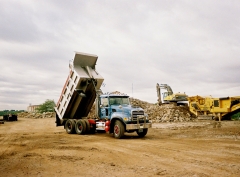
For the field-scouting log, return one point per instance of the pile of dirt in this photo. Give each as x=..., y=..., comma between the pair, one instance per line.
x=140, y=103
x=36, y=115
x=169, y=113
x=165, y=112
x=91, y=114
x=156, y=113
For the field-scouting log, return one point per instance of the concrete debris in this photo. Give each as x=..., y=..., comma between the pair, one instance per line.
x=156, y=113
x=165, y=112
x=36, y=115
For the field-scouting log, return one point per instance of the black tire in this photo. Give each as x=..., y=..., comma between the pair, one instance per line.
x=143, y=133
x=87, y=125
x=80, y=127
x=5, y=117
x=70, y=126
x=118, y=129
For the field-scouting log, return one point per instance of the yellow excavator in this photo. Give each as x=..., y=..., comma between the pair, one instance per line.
x=169, y=97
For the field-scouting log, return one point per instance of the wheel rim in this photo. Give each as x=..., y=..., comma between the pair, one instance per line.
x=69, y=126
x=116, y=129
x=80, y=127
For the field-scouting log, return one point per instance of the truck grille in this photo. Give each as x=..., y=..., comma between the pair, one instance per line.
x=135, y=114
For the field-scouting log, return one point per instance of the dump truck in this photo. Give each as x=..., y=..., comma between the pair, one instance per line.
x=113, y=112
x=169, y=97
x=214, y=108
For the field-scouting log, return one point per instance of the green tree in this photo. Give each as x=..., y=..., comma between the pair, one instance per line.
x=236, y=116
x=47, y=106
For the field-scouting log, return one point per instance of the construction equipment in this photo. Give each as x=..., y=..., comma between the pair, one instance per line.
x=113, y=112
x=214, y=108
x=10, y=117
x=169, y=97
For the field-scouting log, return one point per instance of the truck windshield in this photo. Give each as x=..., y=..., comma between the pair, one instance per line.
x=118, y=100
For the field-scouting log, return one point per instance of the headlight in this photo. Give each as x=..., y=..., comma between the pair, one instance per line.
x=127, y=119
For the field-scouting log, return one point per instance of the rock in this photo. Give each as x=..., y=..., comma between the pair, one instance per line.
x=36, y=115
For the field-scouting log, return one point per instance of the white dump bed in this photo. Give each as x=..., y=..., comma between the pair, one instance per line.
x=79, y=91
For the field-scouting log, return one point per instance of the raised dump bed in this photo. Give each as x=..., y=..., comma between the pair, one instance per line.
x=79, y=91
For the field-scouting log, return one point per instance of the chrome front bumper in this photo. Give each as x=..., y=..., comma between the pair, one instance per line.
x=139, y=125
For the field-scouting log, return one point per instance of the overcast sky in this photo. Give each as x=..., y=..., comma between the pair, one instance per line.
x=192, y=45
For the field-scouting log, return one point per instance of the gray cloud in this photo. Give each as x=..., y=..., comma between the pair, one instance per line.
x=191, y=45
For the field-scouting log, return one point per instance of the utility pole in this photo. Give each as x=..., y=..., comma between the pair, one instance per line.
x=132, y=90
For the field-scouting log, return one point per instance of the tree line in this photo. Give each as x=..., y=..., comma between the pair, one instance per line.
x=5, y=112
x=47, y=106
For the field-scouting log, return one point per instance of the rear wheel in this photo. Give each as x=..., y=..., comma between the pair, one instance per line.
x=142, y=133
x=118, y=130
x=70, y=126
x=87, y=125
x=80, y=127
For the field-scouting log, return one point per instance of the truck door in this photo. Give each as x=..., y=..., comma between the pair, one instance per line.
x=104, y=108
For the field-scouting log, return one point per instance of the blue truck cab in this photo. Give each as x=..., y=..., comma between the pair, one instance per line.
x=118, y=116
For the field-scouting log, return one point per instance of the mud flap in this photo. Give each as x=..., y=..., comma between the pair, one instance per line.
x=58, y=122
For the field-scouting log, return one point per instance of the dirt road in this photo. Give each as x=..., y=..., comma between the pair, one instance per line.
x=35, y=147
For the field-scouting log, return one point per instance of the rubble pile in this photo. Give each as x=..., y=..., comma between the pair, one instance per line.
x=91, y=114
x=169, y=113
x=139, y=103
x=36, y=115
x=165, y=112
x=156, y=113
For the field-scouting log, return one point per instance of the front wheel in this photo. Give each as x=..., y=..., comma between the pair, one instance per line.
x=119, y=130
x=142, y=132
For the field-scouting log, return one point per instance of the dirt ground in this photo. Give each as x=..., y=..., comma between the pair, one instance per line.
x=35, y=147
